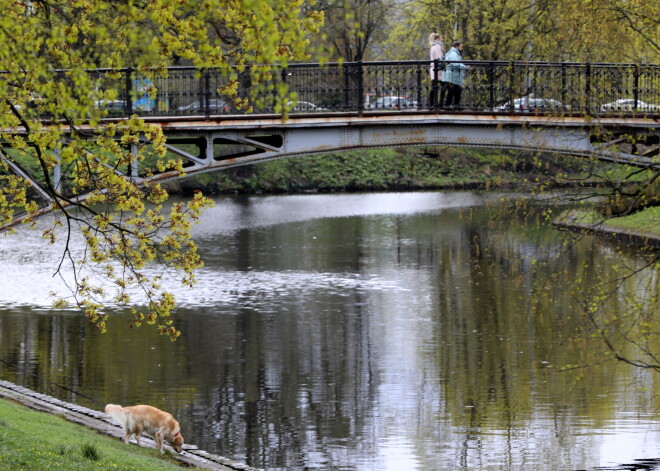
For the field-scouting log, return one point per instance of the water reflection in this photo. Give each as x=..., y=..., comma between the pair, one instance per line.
x=355, y=332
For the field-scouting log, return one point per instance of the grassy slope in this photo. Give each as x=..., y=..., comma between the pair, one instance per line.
x=646, y=222
x=31, y=440
x=400, y=169
x=366, y=170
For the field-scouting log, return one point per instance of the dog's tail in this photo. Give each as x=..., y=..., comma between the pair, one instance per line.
x=116, y=412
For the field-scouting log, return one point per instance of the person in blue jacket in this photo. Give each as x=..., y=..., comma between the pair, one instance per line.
x=455, y=75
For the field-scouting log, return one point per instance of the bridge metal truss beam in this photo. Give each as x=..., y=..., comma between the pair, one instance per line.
x=268, y=143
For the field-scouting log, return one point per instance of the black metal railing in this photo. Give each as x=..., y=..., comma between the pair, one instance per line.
x=489, y=87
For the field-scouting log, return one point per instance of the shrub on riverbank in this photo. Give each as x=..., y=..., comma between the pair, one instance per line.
x=31, y=440
x=419, y=168
x=636, y=197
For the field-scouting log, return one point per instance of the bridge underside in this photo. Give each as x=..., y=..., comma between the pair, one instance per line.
x=208, y=148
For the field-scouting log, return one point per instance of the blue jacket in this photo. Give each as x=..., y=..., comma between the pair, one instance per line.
x=454, y=72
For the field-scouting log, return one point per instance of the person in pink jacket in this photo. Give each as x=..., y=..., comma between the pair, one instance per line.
x=437, y=53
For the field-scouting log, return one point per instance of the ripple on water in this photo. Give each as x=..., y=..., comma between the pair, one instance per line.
x=252, y=287
x=33, y=288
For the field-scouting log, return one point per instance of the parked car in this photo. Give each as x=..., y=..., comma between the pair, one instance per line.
x=216, y=106
x=393, y=102
x=118, y=107
x=113, y=106
x=628, y=104
x=529, y=104
x=304, y=106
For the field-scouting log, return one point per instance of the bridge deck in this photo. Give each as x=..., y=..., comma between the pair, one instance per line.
x=255, y=121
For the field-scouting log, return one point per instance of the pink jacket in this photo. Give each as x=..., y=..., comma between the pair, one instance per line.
x=437, y=52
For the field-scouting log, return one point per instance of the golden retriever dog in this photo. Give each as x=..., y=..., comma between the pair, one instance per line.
x=138, y=419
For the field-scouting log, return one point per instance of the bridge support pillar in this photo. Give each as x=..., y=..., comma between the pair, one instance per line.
x=209, y=149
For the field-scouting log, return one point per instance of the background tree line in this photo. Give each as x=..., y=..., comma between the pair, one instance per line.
x=540, y=30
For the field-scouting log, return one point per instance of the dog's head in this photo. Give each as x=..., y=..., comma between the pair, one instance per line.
x=177, y=442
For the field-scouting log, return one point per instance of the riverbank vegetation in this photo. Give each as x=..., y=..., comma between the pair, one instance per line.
x=416, y=168
x=434, y=168
x=641, y=224
x=31, y=440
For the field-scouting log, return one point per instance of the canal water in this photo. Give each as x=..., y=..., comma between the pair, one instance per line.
x=394, y=331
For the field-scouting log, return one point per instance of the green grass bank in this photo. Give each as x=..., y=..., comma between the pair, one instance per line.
x=31, y=440
x=641, y=228
x=423, y=168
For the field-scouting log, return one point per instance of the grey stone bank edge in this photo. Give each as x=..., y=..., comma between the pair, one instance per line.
x=100, y=422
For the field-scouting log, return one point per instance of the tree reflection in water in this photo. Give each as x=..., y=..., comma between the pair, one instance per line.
x=362, y=332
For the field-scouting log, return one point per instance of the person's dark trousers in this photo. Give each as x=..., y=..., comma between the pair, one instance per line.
x=433, y=97
x=443, y=92
x=438, y=89
x=454, y=95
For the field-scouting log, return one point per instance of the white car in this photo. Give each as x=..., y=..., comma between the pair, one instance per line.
x=304, y=106
x=528, y=104
x=628, y=104
x=215, y=106
x=393, y=103
x=116, y=106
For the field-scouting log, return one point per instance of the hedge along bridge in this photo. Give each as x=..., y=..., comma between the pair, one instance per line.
x=568, y=108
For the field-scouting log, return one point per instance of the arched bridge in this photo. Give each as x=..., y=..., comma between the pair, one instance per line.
x=610, y=111
x=607, y=111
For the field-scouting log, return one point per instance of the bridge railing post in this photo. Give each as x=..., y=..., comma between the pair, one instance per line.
x=206, y=92
x=512, y=86
x=347, y=87
x=128, y=84
x=360, y=86
x=587, y=88
x=563, y=83
x=419, y=84
x=491, y=86
x=434, y=85
x=636, y=74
